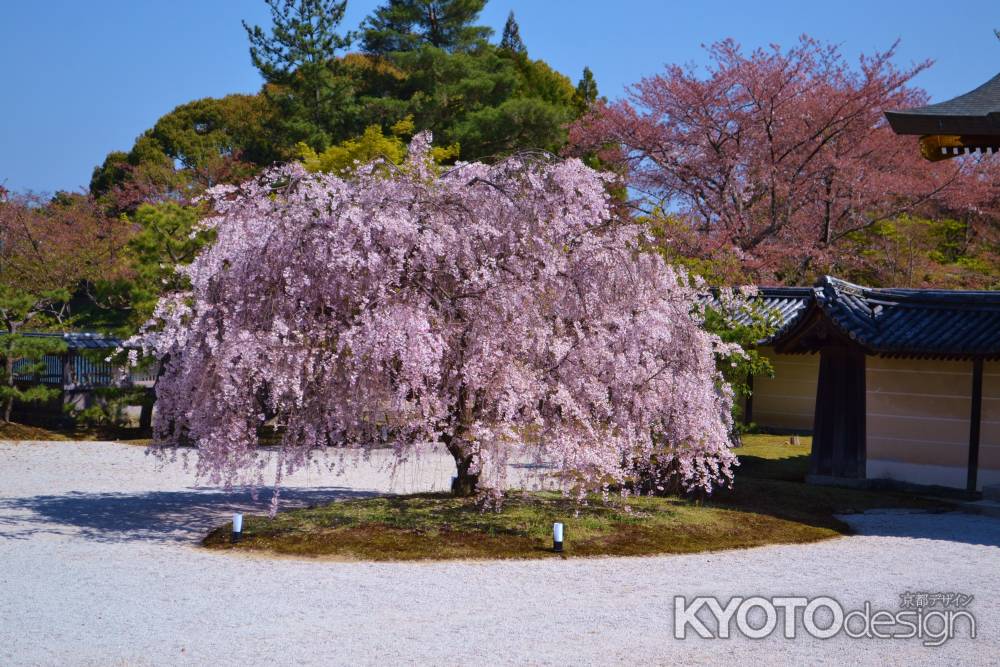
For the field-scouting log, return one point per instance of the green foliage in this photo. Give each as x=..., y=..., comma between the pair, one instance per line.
x=125, y=179
x=491, y=102
x=586, y=90
x=674, y=240
x=433, y=65
x=745, y=322
x=168, y=237
x=202, y=133
x=915, y=251
x=303, y=33
x=165, y=236
x=110, y=173
x=23, y=356
x=195, y=146
x=22, y=306
x=950, y=240
x=734, y=317
x=109, y=407
x=345, y=157
x=511, y=39
x=405, y=25
x=298, y=61
x=487, y=131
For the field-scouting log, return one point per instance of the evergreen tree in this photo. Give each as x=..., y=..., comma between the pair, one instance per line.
x=489, y=103
x=511, y=39
x=22, y=360
x=486, y=101
x=304, y=34
x=298, y=61
x=586, y=89
x=405, y=25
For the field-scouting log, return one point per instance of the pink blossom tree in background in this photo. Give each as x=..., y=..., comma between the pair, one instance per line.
x=497, y=310
x=772, y=158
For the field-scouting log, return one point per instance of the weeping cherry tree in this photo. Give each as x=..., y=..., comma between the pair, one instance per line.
x=499, y=311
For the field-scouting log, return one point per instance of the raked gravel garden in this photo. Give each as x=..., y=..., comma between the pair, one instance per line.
x=102, y=564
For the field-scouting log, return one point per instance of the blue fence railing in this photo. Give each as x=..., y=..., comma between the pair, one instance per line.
x=48, y=371
x=82, y=371
x=90, y=373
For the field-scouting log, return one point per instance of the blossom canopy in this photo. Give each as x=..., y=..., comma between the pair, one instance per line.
x=499, y=310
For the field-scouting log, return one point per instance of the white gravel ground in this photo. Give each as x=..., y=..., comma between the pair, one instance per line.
x=99, y=565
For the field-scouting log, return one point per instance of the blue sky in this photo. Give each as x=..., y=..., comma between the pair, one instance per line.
x=83, y=78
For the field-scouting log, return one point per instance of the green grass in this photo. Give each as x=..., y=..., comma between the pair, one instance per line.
x=440, y=527
x=773, y=457
x=771, y=480
x=766, y=506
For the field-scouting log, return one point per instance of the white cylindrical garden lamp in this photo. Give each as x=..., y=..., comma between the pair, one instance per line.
x=237, y=527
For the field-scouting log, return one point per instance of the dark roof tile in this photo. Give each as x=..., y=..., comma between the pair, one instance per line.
x=787, y=304
x=910, y=322
x=974, y=113
x=82, y=341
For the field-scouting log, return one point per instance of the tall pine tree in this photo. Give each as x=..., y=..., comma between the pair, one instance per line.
x=511, y=39
x=299, y=60
x=405, y=25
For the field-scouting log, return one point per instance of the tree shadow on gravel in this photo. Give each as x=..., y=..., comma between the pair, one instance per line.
x=156, y=516
x=940, y=526
x=875, y=513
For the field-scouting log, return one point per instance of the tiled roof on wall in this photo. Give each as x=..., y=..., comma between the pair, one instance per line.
x=83, y=341
x=785, y=304
x=913, y=322
x=788, y=304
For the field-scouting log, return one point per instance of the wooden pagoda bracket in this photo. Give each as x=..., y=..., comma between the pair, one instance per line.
x=936, y=147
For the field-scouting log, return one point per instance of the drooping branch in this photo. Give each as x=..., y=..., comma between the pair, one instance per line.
x=477, y=307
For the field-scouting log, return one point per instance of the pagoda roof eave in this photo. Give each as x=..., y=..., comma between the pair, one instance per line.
x=974, y=113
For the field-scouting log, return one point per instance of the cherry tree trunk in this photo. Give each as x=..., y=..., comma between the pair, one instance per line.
x=466, y=483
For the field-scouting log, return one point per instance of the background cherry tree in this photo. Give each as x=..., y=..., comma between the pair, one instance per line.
x=765, y=163
x=497, y=310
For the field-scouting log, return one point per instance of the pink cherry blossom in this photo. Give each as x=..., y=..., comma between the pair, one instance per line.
x=500, y=310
